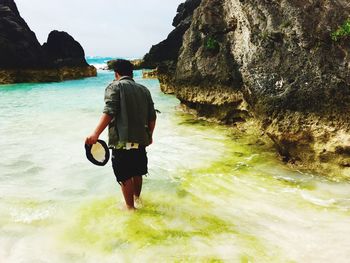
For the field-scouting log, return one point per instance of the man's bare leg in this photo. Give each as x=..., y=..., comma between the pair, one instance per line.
x=137, y=186
x=137, y=191
x=128, y=192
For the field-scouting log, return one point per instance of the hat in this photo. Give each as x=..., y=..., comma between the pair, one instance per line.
x=97, y=153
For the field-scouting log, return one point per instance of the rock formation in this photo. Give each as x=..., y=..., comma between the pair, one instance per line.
x=164, y=55
x=150, y=74
x=274, y=62
x=62, y=50
x=19, y=47
x=23, y=59
x=168, y=49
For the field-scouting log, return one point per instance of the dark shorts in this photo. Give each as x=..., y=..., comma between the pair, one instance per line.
x=129, y=163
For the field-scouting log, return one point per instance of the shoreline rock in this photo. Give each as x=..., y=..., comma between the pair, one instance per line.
x=273, y=62
x=45, y=75
x=150, y=74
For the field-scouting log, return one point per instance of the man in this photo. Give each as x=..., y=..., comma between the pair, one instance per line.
x=130, y=115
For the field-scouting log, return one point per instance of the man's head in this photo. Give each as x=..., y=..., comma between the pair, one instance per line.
x=123, y=68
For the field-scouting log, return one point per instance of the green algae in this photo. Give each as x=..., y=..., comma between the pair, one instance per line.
x=163, y=221
x=178, y=217
x=103, y=224
x=27, y=212
x=179, y=225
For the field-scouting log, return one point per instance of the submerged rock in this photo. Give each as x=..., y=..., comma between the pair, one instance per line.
x=23, y=59
x=275, y=62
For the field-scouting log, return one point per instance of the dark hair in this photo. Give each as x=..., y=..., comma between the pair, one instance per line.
x=123, y=67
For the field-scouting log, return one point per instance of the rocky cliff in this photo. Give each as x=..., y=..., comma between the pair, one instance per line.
x=284, y=64
x=23, y=59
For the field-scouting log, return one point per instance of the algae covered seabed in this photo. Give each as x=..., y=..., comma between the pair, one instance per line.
x=213, y=194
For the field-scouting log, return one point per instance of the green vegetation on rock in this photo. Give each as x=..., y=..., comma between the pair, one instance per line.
x=286, y=23
x=342, y=32
x=211, y=44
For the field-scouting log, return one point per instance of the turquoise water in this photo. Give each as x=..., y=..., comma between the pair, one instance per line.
x=213, y=194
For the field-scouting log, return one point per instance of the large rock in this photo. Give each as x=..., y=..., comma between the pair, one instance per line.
x=165, y=54
x=23, y=59
x=19, y=47
x=275, y=62
x=168, y=50
x=62, y=50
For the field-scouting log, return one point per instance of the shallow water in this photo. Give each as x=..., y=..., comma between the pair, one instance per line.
x=212, y=194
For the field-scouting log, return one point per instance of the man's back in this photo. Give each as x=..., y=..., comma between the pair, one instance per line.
x=133, y=110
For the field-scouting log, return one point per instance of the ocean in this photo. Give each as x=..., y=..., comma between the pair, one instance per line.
x=212, y=194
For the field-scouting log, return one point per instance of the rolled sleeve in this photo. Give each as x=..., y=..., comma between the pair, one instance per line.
x=112, y=100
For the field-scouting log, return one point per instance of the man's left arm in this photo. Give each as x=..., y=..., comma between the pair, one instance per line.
x=152, y=116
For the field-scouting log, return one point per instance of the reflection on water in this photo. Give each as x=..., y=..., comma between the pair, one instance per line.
x=212, y=195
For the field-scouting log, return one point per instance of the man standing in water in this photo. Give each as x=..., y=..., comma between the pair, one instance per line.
x=130, y=115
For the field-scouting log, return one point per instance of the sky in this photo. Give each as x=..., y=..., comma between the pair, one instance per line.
x=103, y=27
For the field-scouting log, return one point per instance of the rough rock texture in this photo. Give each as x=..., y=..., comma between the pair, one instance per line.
x=9, y=76
x=150, y=74
x=23, y=59
x=274, y=61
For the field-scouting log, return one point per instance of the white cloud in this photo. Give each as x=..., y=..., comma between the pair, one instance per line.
x=103, y=27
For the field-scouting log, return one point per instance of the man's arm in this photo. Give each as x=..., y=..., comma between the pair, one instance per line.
x=112, y=100
x=103, y=123
x=151, y=126
x=152, y=116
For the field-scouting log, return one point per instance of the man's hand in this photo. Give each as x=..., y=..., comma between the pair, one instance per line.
x=92, y=139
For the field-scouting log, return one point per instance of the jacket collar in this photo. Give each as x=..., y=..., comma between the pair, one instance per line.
x=126, y=78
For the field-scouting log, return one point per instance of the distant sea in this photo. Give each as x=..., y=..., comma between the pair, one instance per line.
x=101, y=62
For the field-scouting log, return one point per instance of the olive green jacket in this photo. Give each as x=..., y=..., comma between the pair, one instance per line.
x=131, y=107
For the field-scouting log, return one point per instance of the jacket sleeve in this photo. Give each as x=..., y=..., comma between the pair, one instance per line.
x=112, y=100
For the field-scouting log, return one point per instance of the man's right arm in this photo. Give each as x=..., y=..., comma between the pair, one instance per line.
x=103, y=123
x=112, y=102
